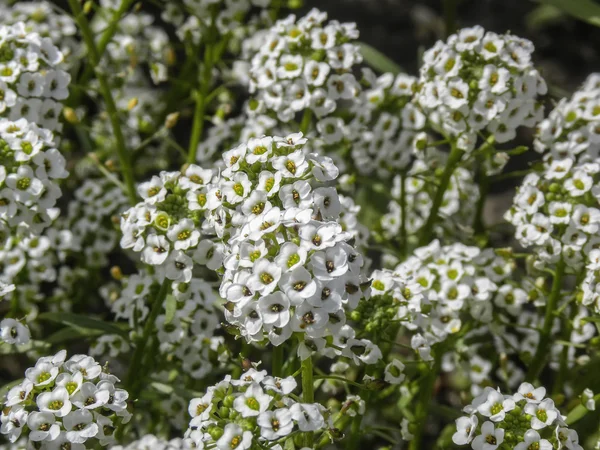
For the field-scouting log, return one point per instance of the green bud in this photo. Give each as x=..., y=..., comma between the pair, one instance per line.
x=223, y=412
x=215, y=432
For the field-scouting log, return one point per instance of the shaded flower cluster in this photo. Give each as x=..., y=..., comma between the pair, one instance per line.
x=65, y=404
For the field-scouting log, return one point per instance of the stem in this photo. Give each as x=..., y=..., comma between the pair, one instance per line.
x=423, y=402
x=580, y=411
x=539, y=360
x=340, y=379
x=105, y=90
x=452, y=163
x=308, y=393
x=403, y=236
x=449, y=7
x=201, y=103
x=306, y=118
x=278, y=361
x=135, y=375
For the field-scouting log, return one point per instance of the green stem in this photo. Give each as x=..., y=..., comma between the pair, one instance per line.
x=135, y=375
x=423, y=403
x=539, y=360
x=277, y=370
x=308, y=393
x=340, y=379
x=306, y=118
x=484, y=187
x=452, y=163
x=580, y=411
x=111, y=107
x=201, y=103
x=450, y=16
x=403, y=235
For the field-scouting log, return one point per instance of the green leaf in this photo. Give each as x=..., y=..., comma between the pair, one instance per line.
x=7, y=349
x=579, y=412
x=170, y=308
x=79, y=321
x=378, y=60
x=72, y=334
x=586, y=10
x=543, y=16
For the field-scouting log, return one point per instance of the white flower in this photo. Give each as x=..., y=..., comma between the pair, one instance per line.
x=184, y=235
x=308, y=417
x=55, y=402
x=14, y=332
x=253, y=402
x=234, y=438
x=465, y=430
x=542, y=414
x=80, y=426
x=528, y=392
x=275, y=424
x=532, y=439
x=394, y=372
x=43, y=426
x=489, y=439
x=496, y=406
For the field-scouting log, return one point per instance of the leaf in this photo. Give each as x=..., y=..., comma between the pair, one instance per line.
x=79, y=321
x=170, y=308
x=543, y=16
x=72, y=334
x=7, y=349
x=586, y=10
x=378, y=60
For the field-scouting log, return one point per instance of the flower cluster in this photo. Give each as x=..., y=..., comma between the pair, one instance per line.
x=480, y=81
x=43, y=18
x=199, y=19
x=289, y=267
x=30, y=166
x=255, y=409
x=440, y=288
x=572, y=129
x=523, y=421
x=557, y=212
x=31, y=82
x=305, y=65
x=385, y=125
x=65, y=404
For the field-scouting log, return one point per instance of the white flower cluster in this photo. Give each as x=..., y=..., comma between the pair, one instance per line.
x=480, y=81
x=440, y=288
x=90, y=219
x=305, y=65
x=225, y=16
x=43, y=18
x=289, y=267
x=137, y=41
x=30, y=167
x=385, y=125
x=590, y=286
x=189, y=336
x=572, y=129
x=65, y=404
x=31, y=82
x=458, y=205
x=523, y=421
x=255, y=410
x=557, y=212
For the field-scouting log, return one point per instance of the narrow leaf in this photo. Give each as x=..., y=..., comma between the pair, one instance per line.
x=79, y=321
x=7, y=349
x=72, y=334
x=170, y=308
x=378, y=60
x=586, y=10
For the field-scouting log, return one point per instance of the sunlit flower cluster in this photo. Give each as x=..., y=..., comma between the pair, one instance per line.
x=557, y=212
x=522, y=421
x=572, y=129
x=255, y=409
x=480, y=82
x=306, y=65
x=65, y=404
